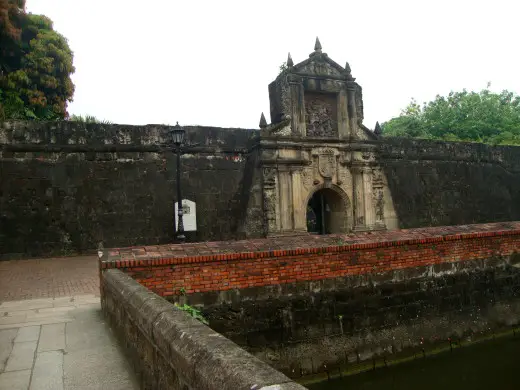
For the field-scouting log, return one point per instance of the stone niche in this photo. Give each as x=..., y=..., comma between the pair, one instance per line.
x=321, y=114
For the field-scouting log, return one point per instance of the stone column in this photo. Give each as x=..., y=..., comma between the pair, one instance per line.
x=299, y=208
x=370, y=214
x=297, y=105
x=352, y=115
x=359, y=200
x=271, y=200
x=286, y=201
x=343, y=115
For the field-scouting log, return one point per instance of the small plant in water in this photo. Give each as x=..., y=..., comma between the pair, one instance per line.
x=195, y=313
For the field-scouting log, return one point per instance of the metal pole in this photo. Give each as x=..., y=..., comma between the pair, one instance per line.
x=322, y=213
x=180, y=226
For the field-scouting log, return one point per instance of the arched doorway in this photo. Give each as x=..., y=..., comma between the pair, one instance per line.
x=326, y=212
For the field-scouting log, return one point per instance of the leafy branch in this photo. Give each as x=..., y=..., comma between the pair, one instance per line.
x=195, y=313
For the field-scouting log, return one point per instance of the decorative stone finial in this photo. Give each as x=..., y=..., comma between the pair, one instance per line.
x=317, y=45
x=263, y=122
x=348, y=72
x=377, y=129
x=290, y=62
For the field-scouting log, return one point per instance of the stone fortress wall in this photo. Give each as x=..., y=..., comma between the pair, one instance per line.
x=66, y=187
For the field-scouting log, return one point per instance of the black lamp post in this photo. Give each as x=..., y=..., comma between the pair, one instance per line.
x=177, y=135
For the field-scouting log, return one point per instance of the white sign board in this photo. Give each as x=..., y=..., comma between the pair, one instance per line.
x=189, y=215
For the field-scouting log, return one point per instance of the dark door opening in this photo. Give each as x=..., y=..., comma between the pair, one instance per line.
x=325, y=213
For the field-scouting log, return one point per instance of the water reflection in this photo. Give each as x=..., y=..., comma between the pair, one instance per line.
x=485, y=365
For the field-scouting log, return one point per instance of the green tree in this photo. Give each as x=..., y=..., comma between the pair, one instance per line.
x=88, y=119
x=11, y=17
x=35, y=72
x=482, y=116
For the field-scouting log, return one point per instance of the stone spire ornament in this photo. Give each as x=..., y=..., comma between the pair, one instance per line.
x=347, y=68
x=263, y=122
x=377, y=129
x=348, y=72
x=317, y=45
x=290, y=62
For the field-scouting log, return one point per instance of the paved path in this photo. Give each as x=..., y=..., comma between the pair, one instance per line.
x=60, y=343
x=48, y=278
x=52, y=332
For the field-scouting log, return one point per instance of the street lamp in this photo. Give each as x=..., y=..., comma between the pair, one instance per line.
x=177, y=137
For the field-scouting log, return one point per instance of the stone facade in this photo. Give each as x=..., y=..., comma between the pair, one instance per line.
x=317, y=143
x=316, y=168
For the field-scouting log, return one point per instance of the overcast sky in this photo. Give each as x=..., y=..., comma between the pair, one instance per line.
x=209, y=62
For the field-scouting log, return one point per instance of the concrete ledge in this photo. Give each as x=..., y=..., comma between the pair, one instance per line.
x=170, y=349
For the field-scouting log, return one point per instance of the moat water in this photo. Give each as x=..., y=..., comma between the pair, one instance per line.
x=487, y=365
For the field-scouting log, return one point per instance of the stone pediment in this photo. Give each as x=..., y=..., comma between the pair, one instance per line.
x=320, y=65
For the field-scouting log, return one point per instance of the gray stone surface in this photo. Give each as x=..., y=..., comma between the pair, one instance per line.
x=6, y=345
x=28, y=333
x=136, y=203
x=52, y=337
x=32, y=304
x=12, y=319
x=15, y=380
x=22, y=356
x=48, y=371
x=171, y=349
x=102, y=367
x=89, y=330
x=72, y=351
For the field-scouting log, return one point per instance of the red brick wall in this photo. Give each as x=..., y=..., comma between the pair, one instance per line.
x=203, y=273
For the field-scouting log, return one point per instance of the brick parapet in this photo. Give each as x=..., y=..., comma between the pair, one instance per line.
x=203, y=267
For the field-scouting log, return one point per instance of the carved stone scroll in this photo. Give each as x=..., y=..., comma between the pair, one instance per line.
x=307, y=178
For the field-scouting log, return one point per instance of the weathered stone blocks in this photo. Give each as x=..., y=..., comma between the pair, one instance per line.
x=172, y=350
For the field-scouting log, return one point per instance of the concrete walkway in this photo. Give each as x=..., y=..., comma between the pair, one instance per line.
x=60, y=343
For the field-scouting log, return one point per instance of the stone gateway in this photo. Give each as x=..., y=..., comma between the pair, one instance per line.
x=68, y=186
x=319, y=160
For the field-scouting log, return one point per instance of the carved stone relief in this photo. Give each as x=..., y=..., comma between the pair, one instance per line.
x=379, y=202
x=343, y=176
x=378, y=194
x=270, y=199
x=327, y=163
x=269, y=176
x=378, y=177
x=319, y=68
x=321, y=115
x=307, y=178
x=367, y=156
x=270, y=209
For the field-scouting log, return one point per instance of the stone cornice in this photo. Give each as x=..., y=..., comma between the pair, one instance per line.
x=295, y=161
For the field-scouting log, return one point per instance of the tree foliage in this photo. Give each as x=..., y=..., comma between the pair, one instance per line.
x=35, y=66
x=462, y=116
x=88, y=119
